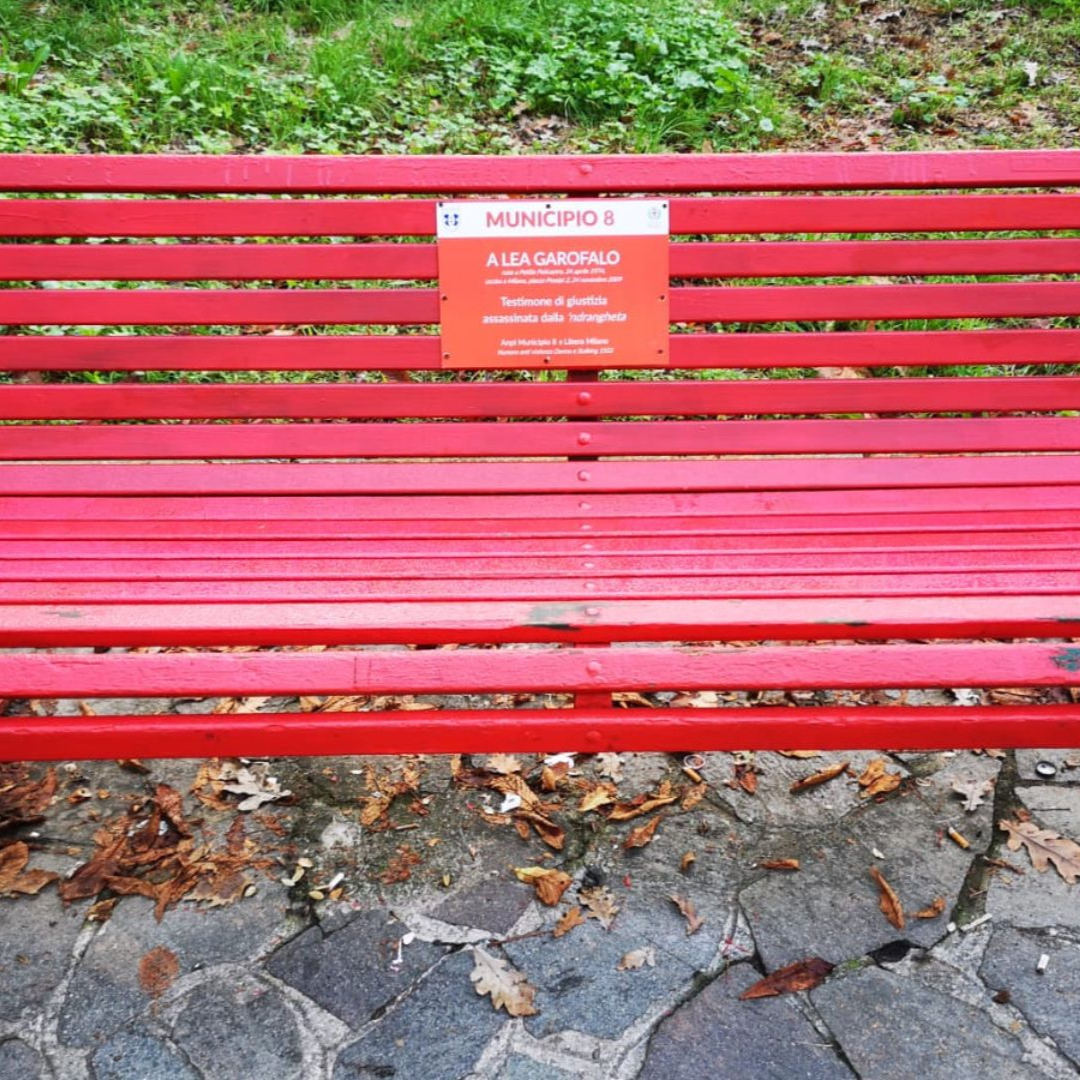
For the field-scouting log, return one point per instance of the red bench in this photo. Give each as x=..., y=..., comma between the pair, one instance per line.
x=850, y=532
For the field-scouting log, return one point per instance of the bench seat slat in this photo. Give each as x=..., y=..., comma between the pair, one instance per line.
x=375, y=261
x=472, y=400
x=403, y=307
x=534, y=670
x=348, y=352
x=156, y=441
x=575, y=527
x=145, y=218
x=552, y=566
x=777, y=586
x=537, y=477
x=764, y=504
x=439, y=622
x=536, y=173
x=537, y=730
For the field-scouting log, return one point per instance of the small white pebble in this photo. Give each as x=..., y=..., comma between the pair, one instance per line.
x=951, y=928
x=877, y=853
x=408, y=939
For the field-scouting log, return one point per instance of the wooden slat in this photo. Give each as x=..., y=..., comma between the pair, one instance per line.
x=387, y=307
x=521, y=477
x=576, y=525
x=374, y=261
x=441, y=547
x=382, y=352
x=463, y=440
x=776, y=586
x=416, y=217
x=537, y=173
x=475, y=400
x=579, y=567
x=534, y=670
x=493, y=621
x=764, y=505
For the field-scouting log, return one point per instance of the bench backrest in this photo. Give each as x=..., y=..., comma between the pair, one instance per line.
x=869, y=239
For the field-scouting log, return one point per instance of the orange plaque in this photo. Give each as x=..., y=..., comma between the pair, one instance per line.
x=561, y=283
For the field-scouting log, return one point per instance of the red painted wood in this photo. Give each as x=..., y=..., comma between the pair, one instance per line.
x=580, y=567
x=475, y=400
x=244, y=352
x=374, y=261
x=746, y=304
x=763, y=504
x=520, y=477
x=416, y=217
x=553, y=621
x=143, y=442
x=535, y=670
x=807, y=544
x=537, y=173
x=776, y=586
x=537, y=730
x=577, y=527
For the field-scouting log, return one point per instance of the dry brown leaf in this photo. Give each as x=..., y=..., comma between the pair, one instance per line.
x=746, y=779
x=802, y=975
x=609, y=765
x=687, y=861
x=15, y=878
x=643, y=834
x=503, y=763
x=567, y=923
x=600, y=904
x=693, y=921
x=822, y=777
x=644, y=804
x=637, y=958
x=24, y=800
x=507, y=988
x=890, y=904
x=801, y=754
x=399, y=868
x=549, y=884
x=932, y=910
x=779, y=864
x=1045, y=847
x=974, y=792
x=693, y=796
x=553, y=835
x=158, y=970
x=374, y=807
x=875, y=780
x=600, y=795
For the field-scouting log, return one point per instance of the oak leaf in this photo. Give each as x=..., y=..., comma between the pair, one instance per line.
x=974, y=792
x=503, y=763
x=549, y=884
x=567, y=923
x=694, y=922
x=600, y=905
x=1045, y=847
x=802, y=975
x=822, y=777
x=507, y=988
x=643, y=834
x=891, y=907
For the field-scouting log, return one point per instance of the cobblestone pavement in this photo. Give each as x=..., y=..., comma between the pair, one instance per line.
x=377, y=982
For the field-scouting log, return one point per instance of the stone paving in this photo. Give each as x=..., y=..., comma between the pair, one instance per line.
x=376, y=984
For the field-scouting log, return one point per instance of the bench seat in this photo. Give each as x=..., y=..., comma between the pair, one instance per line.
x=579, y=536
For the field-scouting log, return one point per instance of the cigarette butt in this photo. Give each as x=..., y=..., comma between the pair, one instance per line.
x=1043, y=964
x=958, y=839
x=976, y=922
x=692, y=773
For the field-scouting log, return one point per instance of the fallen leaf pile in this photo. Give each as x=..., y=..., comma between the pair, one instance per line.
x=1045, y=847
x=23, y=800
x=253, y=782
x=152, y=851
x=876, y=780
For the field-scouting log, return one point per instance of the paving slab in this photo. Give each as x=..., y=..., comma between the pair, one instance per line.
x=891, y=1027
x=228, y=1030
x=136, y=1053
x=438, y=1032
x=1051, y=1000
x=716, y=1035
x=18, y=1061
x=105, y=990
x=354, y=972
x=1034, y=899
